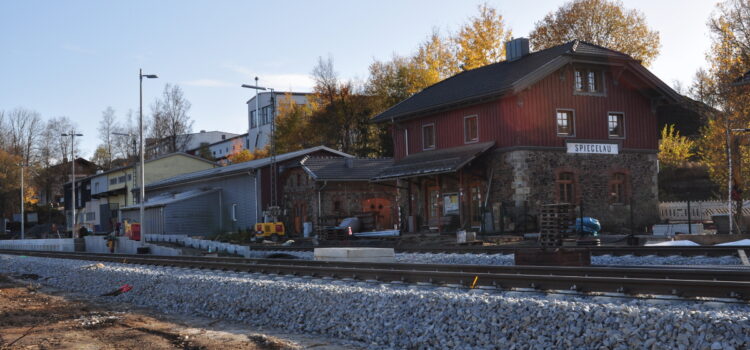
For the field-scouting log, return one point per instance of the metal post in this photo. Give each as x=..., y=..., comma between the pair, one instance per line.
x=632, y=222
x=23, y=217
x=690, y=220
x=729, y=178
x=257, y=116
x=143, y=148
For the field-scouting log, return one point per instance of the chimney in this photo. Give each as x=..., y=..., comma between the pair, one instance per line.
x=349, y=163
x=516, y=48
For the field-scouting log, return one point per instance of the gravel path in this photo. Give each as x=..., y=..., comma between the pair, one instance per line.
x=407, y=316
x=507, y=259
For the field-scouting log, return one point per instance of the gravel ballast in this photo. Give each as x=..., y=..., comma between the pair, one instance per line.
x=406, y=316
x=507, y=259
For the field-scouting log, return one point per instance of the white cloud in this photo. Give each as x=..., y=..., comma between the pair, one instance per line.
x=209, y=83
x=279, y=82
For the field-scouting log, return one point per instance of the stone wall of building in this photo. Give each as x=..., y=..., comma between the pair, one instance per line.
x=526, y=179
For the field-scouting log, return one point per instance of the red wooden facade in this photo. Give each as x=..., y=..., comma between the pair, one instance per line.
x=528, y=118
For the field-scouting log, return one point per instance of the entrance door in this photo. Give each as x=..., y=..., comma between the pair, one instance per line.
x=433, y=207
x=475, y=205
x=381, y=208
x=300, y=216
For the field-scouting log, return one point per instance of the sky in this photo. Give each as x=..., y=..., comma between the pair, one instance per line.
x=75, y=58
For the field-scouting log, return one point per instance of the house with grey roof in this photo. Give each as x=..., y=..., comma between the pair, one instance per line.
x=223, y=199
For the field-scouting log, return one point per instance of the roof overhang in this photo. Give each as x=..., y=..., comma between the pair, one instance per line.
x=437, y=162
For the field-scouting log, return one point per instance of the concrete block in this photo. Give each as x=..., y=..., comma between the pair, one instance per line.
x=355, y=254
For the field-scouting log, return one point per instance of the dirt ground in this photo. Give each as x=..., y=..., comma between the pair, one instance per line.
x=32, y=317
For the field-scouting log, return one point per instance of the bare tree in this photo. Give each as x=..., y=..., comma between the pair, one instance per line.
x=3, y=130
x=58, y=126
x=24, y=128
x=107, y=125
x=170, y=121
x=125, y=145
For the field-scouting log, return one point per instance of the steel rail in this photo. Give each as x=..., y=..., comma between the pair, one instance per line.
x=601, y=250
x=691, y=286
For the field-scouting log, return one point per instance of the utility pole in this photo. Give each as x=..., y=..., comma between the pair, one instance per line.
x=23, y=217
x=143, y=148
x=73, y=135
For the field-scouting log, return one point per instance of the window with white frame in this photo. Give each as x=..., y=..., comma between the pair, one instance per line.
x=428, y=136
x=588, y=81
x=616, y=124
x=565, y=121
x=471, y=129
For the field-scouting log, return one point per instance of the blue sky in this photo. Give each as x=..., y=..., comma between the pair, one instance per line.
x=75, y=58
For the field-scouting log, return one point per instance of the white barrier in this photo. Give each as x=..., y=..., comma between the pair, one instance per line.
x=202, y=244
x=699, y=210
x=124, y=245
x=672, y=229
x=50, y=245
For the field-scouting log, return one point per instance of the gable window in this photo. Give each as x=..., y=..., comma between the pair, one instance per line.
x=617, y=188
x=566, y=187
x=471, y=129
x=588, y=81
x=565, y=123
x=616, y=124
x=428, y=136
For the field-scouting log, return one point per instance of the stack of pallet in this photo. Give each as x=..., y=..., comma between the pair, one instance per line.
x=555, y=222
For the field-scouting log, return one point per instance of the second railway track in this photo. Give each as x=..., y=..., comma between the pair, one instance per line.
x=661, y=280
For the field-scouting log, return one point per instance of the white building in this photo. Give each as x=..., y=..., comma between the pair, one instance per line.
x=262, y=113
x=188, y=143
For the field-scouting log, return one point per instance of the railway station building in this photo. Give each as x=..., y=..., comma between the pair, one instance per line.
x=576, y=123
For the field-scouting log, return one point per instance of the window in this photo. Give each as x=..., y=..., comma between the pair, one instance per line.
x=565, y=123
x=90, y=216
x=566, y=187
x=130, y=177
x=588, y=81
x=471, y=129
x=121, y=179
x=113, y=181
x=253, y=121
x=617, y=188
x=406, y=141
x=234, y=212
x=428, y=136
x=616, y=125
x=96, y=187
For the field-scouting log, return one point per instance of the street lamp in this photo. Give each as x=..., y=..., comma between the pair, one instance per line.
x=73, y=135
x=273, y=131
x=143, y=148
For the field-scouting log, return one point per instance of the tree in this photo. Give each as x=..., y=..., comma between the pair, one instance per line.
x=293, y=130
x=10, y=178
x=107, y=125
x=601, y=22
x=436, y=57
x=125, y=144
x=101, y=156
x=674, y=150
x=58, y=126
x=482, y=40
x=240, y=157
x=170, y=121
x=342, y=119
x=205, y=152
x=24, y=129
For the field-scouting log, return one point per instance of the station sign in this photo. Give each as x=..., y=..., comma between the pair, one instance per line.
x=593, y=148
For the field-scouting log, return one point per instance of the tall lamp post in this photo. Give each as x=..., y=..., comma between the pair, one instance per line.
x=272, y=135
x=73, y=135
x=23, y=217
x=142, y=174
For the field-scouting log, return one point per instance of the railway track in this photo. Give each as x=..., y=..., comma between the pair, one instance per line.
x=688, y=283
x=601, y=250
